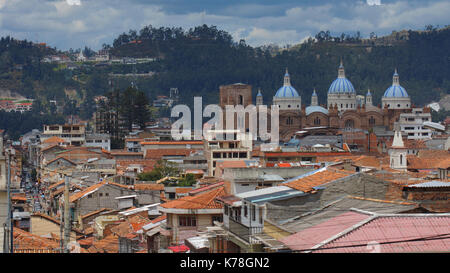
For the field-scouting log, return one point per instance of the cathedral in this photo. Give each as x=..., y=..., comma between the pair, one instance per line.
x=342, y=110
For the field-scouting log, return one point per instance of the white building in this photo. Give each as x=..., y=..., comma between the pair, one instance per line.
x=413, y=124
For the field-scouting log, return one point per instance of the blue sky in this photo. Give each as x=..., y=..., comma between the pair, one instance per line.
x=76, y=23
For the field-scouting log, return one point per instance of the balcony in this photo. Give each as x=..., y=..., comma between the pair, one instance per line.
x=243, y=232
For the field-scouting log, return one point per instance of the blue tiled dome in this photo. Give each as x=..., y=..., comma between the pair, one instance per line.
x=312, y=109
x=395, y=91
x=286, y=92
x=341, y=85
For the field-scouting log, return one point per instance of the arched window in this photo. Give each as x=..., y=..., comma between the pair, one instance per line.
x=289, y=121
x=401, y=159
x=241, y=100
x=317, y=121
x=371, y=121
x=349, y=123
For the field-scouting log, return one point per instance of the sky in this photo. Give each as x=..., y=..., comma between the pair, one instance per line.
x=74, y=24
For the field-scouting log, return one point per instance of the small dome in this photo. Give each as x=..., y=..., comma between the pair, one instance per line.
x=259, y=93
x=312, y=109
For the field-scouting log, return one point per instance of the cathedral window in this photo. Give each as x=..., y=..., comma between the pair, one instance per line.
x=289, y=121
x=317, y=121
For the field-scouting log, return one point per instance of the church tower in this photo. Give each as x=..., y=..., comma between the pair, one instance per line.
x=314, y=99
x=398, y=152
x=259, y=98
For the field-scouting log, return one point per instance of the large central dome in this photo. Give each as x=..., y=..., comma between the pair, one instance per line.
x=341, y=84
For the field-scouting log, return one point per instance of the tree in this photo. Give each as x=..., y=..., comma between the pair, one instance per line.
x=162, y=169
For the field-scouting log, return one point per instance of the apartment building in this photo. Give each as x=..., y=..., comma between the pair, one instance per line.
x=73, y=134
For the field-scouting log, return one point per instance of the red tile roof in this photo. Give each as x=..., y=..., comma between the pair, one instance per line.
x=186, y=142
x=204, y=200
x=25, y=242
x=149, y=187
x=205, y=188
x=54, y=139
x=94, y=213
x=109, y=244
x=159, y=153
x=92, y=188
x=307, y=183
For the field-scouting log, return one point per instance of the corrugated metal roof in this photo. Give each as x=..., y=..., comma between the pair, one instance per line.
x=430, y=184
x=396, y=234
x=260, y=192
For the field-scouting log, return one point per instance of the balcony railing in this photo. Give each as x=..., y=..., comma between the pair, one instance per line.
x=244, y=232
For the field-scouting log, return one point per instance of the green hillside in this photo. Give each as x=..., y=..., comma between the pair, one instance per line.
x=197, y=61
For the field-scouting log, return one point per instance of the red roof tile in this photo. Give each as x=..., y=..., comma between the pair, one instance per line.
x=307, y=183
x=204, y=200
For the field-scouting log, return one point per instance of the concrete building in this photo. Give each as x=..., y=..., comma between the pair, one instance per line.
x=413, y=123
x=74, y=135
x=216, y=148
x=101, y=141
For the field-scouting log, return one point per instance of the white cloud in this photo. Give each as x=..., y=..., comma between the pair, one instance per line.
x=75, y=23
x=74, y=2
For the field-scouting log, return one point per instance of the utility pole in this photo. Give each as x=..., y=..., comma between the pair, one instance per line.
x=7, y=248
x=61, y=228
x=67, y=219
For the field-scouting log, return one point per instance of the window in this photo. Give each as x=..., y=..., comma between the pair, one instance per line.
x=253, y=212
x=372, y=121
x=225, y=210
x=245, y=210
x=107, y=194
x=289, y=106
x=100, y=194
x=261, y=215
x=317, y=121
x=217, y=218
x=241, y=100
x=187, y=221
x=289, y=121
